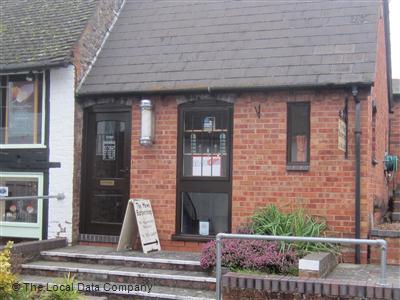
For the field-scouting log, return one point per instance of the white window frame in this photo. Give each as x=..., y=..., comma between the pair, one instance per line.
x=42, y=144
x=24, y=229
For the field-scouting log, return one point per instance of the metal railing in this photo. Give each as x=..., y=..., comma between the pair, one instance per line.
x=221, y=236
x=59, y=196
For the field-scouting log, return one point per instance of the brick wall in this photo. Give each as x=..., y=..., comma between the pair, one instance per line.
x=153, y=170
x=259, y=161
x=93, y=35
x=378, y=135
x=395, y=132
x=392, y=237
x=84, y=54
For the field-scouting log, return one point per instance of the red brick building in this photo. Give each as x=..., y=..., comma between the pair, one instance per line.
x=254, y=103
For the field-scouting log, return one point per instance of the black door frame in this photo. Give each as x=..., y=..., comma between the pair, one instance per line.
x=84, y=191
x=198, y=184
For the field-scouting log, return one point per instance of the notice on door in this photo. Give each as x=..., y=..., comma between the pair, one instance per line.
x=139, y=221
x=109, y=148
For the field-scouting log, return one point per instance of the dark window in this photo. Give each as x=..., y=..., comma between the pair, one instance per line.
x=204, y=169
x=298, y=135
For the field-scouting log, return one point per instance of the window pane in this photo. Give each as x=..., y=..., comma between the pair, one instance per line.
x=110, y=140
x=298, y=133
x=21, y=110
x=19, y=210
x=204, y=213
x=205, y=144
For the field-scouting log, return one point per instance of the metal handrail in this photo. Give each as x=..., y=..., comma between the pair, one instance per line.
x=59, y=196
x=221, y=236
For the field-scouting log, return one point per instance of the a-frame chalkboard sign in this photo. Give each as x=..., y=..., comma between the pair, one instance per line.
x=139, y=223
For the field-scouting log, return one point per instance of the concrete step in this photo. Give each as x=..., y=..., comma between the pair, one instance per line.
x=122, y=274
x=396, y=205
x=116, y=290
x=396, y=216
x=187, y=261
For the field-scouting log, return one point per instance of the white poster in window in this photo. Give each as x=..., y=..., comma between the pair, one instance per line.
x=109, y=150
x=206, y=166
x=204, y=227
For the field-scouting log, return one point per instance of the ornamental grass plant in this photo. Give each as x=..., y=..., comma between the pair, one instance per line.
x=266, y=256
x=271, y=221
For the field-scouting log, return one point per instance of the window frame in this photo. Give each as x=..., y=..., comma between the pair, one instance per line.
x=42, y=143
x=25, y=229
x=291, y=165
x=200, y=184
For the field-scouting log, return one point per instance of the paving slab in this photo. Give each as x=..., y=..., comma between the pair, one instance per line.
x=158, y=292
x=119, y=270
x=110, y=252
x=368, y=274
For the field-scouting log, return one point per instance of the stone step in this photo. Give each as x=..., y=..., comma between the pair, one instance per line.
x=108, y=256
x=114, y=290
x=396, y=205
x=396, y=216
x=123, y=274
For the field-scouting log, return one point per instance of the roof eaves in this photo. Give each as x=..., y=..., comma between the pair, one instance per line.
x=215, y=89
x=62, y=62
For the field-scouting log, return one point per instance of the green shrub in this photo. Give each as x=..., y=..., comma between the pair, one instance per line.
x=7, y=278
x=63, y=290
x=271, y=221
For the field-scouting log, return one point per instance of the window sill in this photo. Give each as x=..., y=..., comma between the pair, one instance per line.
x=192, y=237
x=298, y=167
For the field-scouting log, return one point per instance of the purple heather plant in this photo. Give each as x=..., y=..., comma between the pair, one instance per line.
x=250, y=255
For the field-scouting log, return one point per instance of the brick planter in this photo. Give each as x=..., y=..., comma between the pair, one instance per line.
x=244, y=286
x=392, y=237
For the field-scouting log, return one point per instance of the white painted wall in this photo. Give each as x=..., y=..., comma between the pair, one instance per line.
x=61, y=144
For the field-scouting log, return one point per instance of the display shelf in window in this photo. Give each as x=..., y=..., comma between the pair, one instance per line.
x=21, y=218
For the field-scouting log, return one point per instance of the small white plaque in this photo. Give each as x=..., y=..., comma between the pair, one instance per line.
x=204, y=227
x=3, y=191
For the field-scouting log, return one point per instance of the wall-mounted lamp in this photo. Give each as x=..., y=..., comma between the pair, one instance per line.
x=147, y=126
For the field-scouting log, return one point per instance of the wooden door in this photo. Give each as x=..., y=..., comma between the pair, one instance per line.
x=107, y=170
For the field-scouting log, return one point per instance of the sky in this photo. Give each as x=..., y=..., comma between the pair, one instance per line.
x=394, y=9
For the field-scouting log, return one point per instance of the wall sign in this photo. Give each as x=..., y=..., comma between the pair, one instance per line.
x=139, y=222
x=342, y=132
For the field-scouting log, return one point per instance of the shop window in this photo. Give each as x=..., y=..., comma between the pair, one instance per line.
x=298, y=135
x=22, y=217
x=204, y=181
x=21, y=110
x=205, y=150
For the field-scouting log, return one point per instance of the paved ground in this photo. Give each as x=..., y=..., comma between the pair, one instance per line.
x=345, y=272
x=365, y=273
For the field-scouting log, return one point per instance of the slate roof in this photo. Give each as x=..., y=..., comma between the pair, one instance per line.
x=40, y=32
x=396, y=86
x=158, y=46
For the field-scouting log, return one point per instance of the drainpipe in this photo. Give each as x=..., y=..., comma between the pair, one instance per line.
x=358, y=171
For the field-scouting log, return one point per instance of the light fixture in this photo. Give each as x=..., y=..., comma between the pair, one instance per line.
x=147, y=126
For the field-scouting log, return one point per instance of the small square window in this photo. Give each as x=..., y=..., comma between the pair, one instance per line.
x=298, y=135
